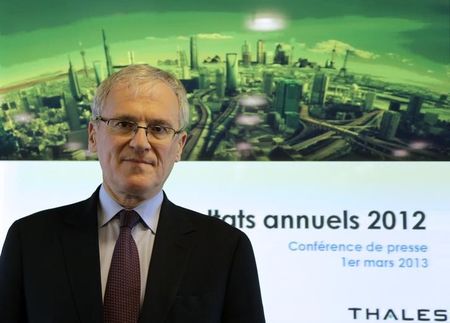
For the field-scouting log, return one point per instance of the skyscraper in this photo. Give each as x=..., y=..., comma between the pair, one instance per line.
x=287, y=97
x=292, y=97
x=203, y=77
x=369, y=100
x=333, y=55
x=185, y=73
x=267, y=83
x=319, y=89
x=130, y=57
x=260, y=59
x=282, y=54
x=73, y=117
x=232, y=73
x=268, y=57
x=343, y=70
x=98, y=71
x=73, y=83
x=414, y=106
x=220, y=83
x=194, y=53
x=83, y=58
x=182, y=58
x=394, y=106
x=389, y=124
x=246, y=54
x=278, y=101
x=109, y=64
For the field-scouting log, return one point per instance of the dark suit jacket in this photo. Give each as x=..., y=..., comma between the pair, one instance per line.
x=201, y=270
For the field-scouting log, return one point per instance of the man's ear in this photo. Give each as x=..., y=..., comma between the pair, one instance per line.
x=92, y=142
x=181, y=143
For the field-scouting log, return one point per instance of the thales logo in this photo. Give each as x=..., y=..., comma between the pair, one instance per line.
x=399, y=315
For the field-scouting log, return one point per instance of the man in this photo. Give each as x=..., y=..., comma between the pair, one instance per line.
x=127, y=253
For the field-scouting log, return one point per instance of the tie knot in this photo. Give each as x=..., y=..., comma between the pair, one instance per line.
x=128, y=218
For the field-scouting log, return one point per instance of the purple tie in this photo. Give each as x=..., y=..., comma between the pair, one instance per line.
x=123, y=288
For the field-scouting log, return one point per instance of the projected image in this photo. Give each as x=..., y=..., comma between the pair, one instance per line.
x=288, y=82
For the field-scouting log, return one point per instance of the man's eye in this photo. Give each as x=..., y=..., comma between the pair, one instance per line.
x=158, y=129
x=123, y=125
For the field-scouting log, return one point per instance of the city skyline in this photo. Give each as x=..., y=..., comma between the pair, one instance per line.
x=270, y=108
x=262, y=86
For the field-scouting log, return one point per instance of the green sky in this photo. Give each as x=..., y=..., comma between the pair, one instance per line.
x=431, y=40
x=412, y=36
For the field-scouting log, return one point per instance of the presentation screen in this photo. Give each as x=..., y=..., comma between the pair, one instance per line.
x=334, y=242
x=321, y=129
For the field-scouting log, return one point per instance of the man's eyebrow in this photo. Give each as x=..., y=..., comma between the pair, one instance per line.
x=124, y=117
x=153, y=122
x=159, y=122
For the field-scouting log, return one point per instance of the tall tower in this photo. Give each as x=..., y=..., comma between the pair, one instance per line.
x=319, y=89
x=333, y=56
x=232, y=73
x=287, y=97
x=292, y=96
x=131, y=57
x=182, y=58
x=185, y=73
x=260, y=52
x=414, y=106
x=283, y=54
x=267, y=83
x=72, y=114
x=109, y=64
x=220, y=83
x=73, y=83
x=343, y=70
x=194, y=53
x=183, y=64
x=98, y=72
x=369, y=100
x=389, y=124
x=246, y=55
x=278, y=102
x=203, y=78
x=394, y=106
x=269, y=57
x=83, y=58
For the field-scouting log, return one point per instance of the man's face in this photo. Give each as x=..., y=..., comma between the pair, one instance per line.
x=134, y=167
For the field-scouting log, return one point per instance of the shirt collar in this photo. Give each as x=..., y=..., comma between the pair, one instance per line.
x=148, y=210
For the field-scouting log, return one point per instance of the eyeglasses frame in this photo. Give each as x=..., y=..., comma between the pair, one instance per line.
x=137, y=126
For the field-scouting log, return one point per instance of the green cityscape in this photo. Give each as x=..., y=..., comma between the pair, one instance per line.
x=270, y=84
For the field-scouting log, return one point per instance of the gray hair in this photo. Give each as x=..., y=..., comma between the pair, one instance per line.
x=137, y=76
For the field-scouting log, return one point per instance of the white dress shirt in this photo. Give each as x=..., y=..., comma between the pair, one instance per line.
x=143, y=233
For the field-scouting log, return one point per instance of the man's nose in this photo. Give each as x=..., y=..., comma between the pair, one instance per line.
x=140, y=139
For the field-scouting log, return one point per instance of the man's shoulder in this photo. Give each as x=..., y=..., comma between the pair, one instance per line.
x=52, y=215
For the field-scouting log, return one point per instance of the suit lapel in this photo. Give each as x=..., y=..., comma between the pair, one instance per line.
x=80, y=244
x=173, y=243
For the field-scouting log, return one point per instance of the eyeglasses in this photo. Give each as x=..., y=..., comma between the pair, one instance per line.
x=129, y=128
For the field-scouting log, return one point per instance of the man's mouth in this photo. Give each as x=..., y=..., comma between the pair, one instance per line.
x=139, y=161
